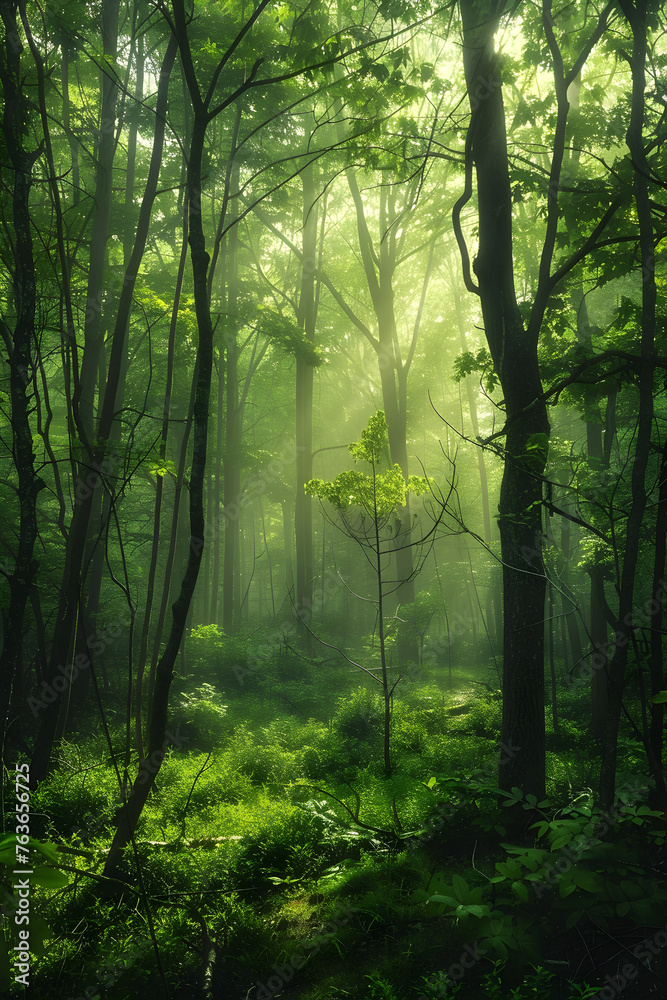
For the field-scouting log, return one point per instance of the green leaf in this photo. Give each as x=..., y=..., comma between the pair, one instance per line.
x=573, y=918
x=537, y=446
x=460, y=887
x=510, y=869
x=474, y=910
x=162, y=468
x=468, y=363
x=499, y=946
x=50, y=851
x=49, y=878
x=589, y=881
x=660, y=698
x=542, y=826
x=443, y=899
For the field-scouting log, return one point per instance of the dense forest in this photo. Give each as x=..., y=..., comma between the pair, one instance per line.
x=333, y=471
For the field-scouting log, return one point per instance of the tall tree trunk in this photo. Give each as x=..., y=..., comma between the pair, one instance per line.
x=20, y=345
x=67, y=104
x=514, y=353
x=231, y=588
x=98, y=546
x=92, y=379
x=169, y=586
x=598, y=620
x=217, y=486
x=93, y=340
x=159, y=494
x=379, y=268
x=306, y=317
x=637, y=14
x=472, y=409
x=656, y=658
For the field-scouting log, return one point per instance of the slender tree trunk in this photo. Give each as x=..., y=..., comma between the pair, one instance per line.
x=567, y=610
x=93, y=339
x=20, y=345
x=159, y=493
x=379, y=270
x=73, y=141
x=217, y=485
x=169, y=586
x=472, y=409
x=598, y=620
x=306, y=317
x=288, y=534
x=92, y=375
x=231, y=587
x=636, y=14
x=96, y=545
x=656, y=658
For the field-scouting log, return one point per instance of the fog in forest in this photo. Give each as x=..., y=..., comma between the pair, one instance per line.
x=333, y=471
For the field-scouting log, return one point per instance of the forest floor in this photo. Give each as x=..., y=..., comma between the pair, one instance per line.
x=277, y=858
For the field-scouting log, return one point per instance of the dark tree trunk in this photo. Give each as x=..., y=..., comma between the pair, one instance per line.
x=20, y=346
x=656, y=658
x=159, y=494
x=598, y=620
x=170, y=586
x=514, y=353
x=637, y=14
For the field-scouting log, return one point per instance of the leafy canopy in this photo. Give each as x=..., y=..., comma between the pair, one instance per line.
x=380, y=494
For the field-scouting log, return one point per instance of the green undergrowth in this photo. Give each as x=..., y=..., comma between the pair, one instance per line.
x=280, y=857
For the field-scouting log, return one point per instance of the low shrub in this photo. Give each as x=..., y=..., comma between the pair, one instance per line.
x=199, y=717
x=218, y=782
x=289, y=848
x=80, y=797
x=263, y=764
